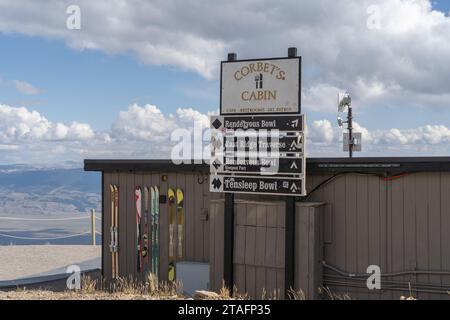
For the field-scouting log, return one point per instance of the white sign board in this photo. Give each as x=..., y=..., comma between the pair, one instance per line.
x=357, y=141
x=260, y=86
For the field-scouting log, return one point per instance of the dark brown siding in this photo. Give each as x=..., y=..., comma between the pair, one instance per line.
x=196, y=202
x=259, y=248
x=399, y=224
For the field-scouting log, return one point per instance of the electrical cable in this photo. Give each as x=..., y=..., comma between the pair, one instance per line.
x=333, y=177
x=391, y=274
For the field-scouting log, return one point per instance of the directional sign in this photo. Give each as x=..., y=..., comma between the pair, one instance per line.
x=276, y=122
x=260, y=86
x=281, y=143
x=257, y=185
x=263, y=166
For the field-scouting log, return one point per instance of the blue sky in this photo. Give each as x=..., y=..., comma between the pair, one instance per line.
x=91, y=86
x=169, y=58
x=442, y=5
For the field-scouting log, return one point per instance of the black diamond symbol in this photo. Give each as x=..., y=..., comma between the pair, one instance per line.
x=216, y=183
x=217, y=124
x=216, y=164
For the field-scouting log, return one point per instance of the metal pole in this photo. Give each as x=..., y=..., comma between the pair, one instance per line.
x=228, y=227
x=289, y=249
x=289, y=240
x=93, y=226
x=350, y=132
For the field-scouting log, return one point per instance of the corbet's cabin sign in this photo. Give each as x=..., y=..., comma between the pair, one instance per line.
x=260, y=86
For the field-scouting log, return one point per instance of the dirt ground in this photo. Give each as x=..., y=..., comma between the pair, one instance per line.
x=28, y=261
x=50, y=295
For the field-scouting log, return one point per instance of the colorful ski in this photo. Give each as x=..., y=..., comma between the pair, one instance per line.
x=138, y=199
x=180, y=223
x=172, y=222
x=114, y=245
x=153, y=226
x=145, y=247
x=117, y=244
x=156, y=232
x=112, y=231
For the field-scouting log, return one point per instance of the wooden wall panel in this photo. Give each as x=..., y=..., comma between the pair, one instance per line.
x=206, y=222
x=124, y=270
x=409, y=216
x=401, y=224
x=374, y=230
x=422, y=229
x=163, y=226
x=131, y=224
x=106, y=253
x=434, y=228
x=362, y=226
x=397, y=232
x=445, y=226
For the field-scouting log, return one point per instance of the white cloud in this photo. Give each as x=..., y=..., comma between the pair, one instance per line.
x=144, y=132
x=150, y=124
x=20, y=124
x=26, y=88
x=405, y=62
x=321, y=131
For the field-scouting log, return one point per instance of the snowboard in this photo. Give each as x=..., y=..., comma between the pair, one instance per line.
x=138, y=201
x=172, y=222
x=114, y=244
x=180, y=223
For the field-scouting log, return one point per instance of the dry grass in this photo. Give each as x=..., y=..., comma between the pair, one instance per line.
x=152, y=289
x=326, y=293
x=122, y=289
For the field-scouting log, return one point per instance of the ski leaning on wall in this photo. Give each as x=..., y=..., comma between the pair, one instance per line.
x=156, y=270
x=114, y=244
x=155, y=230
x=180, y=223
x=138, y=200
x=145, y=248
x=172, y=222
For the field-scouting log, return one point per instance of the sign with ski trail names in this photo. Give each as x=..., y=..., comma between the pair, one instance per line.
x=257, y=185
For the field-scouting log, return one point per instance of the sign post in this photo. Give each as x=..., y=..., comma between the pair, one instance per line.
x=258, y=142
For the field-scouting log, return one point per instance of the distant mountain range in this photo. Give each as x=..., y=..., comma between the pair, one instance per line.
x=48, y=191
x=42, y=193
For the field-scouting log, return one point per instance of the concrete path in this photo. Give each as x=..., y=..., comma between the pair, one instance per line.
x=18, y=262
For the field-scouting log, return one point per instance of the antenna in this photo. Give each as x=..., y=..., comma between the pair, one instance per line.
x=351, y=141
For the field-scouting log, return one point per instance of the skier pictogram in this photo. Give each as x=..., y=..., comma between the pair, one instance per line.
x=217, y=164
x=259, y=81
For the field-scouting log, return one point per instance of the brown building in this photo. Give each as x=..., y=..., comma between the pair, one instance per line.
x=390, y=212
